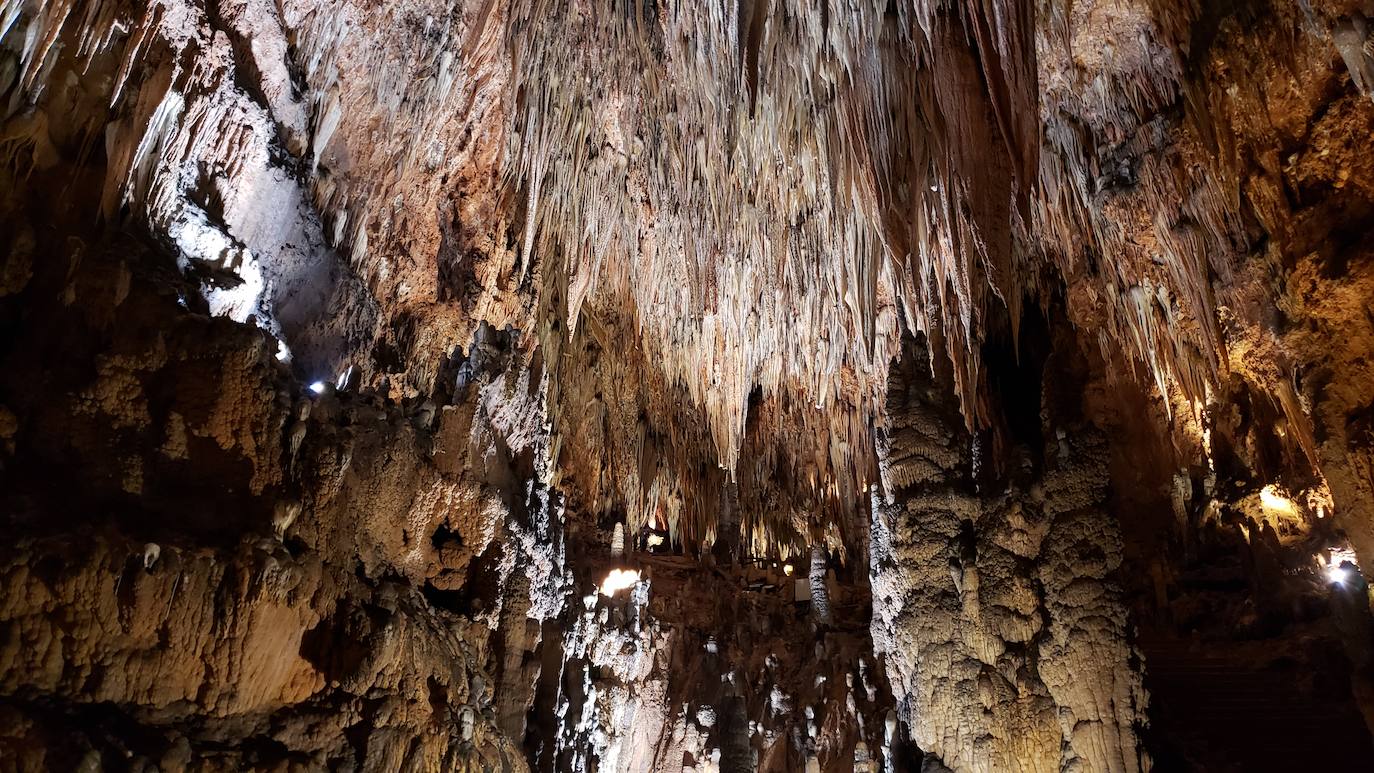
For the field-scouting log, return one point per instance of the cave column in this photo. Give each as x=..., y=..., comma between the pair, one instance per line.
x=995, y=610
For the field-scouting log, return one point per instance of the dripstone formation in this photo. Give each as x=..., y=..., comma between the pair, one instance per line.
x=747, y=385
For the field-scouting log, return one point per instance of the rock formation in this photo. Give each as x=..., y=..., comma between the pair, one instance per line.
x=750, y=385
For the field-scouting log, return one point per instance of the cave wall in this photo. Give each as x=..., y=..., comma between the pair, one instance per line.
x=208, y=565
x=726, y=668
x=556, y=268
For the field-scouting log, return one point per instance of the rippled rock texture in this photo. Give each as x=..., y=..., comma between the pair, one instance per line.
x=998, y=611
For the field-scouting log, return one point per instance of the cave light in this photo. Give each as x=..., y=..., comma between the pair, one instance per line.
x=787, y=569
x=1319, y=498
x=617, y=580
x=1341, y=567
x=1275, y=500
x=317, y=387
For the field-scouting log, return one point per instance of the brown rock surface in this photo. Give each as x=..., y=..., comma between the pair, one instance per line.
x=346, y=347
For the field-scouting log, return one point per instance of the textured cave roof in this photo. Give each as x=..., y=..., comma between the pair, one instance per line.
x=710, y=223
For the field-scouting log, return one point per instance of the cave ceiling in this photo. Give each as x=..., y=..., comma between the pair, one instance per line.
x=714, y=221
x=685, y=258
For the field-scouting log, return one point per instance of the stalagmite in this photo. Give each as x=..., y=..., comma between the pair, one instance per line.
x=819, y=591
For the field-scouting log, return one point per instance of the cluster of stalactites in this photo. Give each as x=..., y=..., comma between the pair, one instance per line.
x=763, y=186
x=769, y=190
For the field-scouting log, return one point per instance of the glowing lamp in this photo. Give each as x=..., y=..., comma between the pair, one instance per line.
x=618, y=580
